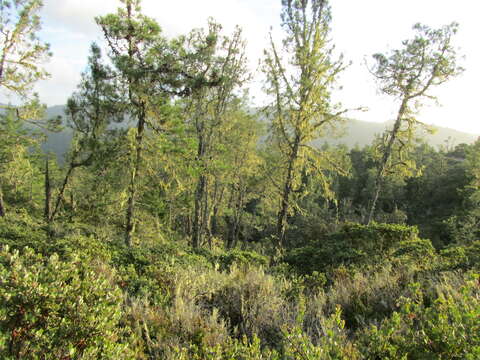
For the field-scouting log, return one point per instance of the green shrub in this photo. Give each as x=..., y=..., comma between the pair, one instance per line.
x=19, y=230
x=232, y=350
x=252, y=304
x=151, y=271
x=454, y=257
x=375, y=238
x=417, y=251
x=141, y=257
x=449, y=328
x=332, y=343
x=86, y=248
x=162, y=332
x=241, y=259
x=354, y=244
x=314, y=282
x=51, y=309
x=461, y=257
x=370, y=295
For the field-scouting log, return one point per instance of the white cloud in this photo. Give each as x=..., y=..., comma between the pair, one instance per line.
x=65, y=77
x=77, y=15
x=360, y=28
x=69, y=27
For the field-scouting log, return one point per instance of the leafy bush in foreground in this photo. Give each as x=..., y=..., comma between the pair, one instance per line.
x=447, y=329
x=51, y=309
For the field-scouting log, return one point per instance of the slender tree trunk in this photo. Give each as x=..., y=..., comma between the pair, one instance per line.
x=140, y=106
x=237, y=220
x=231, y=231
x=240, y=214
x=197, y=216
x=61, y=194
x=2, y=61
x=282, y=214
x=217, y=199
x=214, y=221
x=236, y=236
x=188, y=225
x=48, y=193
x=199, y=196
x=386, y=156
x=2, y=205
x=73, y=206
x=373, y=205
x=170, y=215
x=31, y=190
x=205, y=222
x=132, y=190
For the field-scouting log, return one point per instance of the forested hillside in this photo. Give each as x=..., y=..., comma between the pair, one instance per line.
x=353, y=133
x=157, y=216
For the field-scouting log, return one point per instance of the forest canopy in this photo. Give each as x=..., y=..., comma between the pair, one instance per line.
x=179, y=221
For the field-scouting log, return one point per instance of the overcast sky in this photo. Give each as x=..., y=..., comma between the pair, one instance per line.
x=360, y=28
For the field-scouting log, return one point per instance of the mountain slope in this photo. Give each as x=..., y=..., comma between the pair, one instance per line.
x=361, y=133
x=58, y=143
x=355, y=133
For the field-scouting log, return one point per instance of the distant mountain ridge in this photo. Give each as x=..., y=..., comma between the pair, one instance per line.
x=355, y=133
x=361, y=133
x=58, y=143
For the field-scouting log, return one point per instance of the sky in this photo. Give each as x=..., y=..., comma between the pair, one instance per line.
x=359, y=29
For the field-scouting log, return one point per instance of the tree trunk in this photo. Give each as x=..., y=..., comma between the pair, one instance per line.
x=282, y=214
x=231, y=231
x=2, y=205
x=73, y=206
x=48, y=193
x=61, y=194
x=236, y=236
x=188, y=225
x=214, y=221
x=197, y=226
x=239, y=216
x=132, y=190
x=236, y=220
x=2, y=61
x=140, y=106
x=217, y=199
x=374, y=202
x=205, y=218
x=386, y=156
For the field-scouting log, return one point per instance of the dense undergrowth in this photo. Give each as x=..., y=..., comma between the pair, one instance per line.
x=177, y=220
x=76, y=294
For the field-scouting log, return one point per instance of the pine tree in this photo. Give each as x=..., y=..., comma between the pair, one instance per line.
x=300, y=77
x=21, y=56
x=221, y=63
x=408, y=74
x=90, y=111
